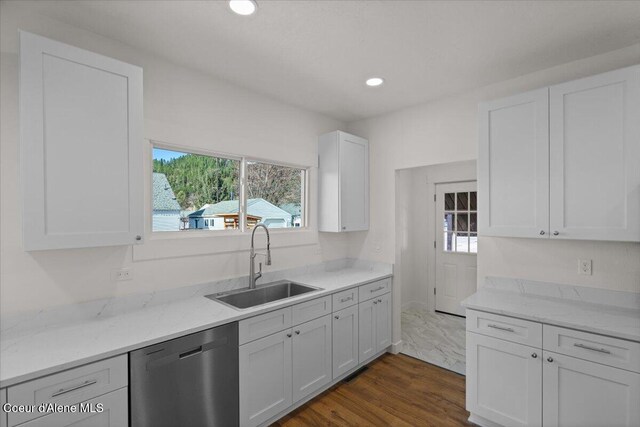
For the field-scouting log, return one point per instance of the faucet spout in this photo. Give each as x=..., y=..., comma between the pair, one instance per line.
x=252, y=256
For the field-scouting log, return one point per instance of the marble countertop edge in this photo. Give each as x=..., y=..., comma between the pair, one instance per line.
x=37, y=353
x=618, y=322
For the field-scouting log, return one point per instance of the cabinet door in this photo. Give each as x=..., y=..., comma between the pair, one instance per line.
x=345, y=340
x=581, y=393
x=595, y=152
x=382, y=311
x=354, y=183
x=366, y=331
x=3, y=400
x=108, y=410
x=311, y=356
x=513, y=166
x=265, y=378
x=504, y=381
x=81, y=135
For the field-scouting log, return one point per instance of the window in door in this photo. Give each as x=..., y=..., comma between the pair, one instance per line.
x=460, y=227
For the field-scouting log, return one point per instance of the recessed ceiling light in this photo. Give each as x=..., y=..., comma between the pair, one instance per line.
x=243, y=7
x=375, y=81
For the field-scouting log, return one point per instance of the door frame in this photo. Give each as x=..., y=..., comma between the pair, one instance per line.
x=446, y=173
x=437, y=231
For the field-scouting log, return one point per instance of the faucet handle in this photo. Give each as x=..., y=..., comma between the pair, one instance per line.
x=260, y=267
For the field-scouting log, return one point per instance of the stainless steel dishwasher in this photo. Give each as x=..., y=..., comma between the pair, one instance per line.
x=191, y=381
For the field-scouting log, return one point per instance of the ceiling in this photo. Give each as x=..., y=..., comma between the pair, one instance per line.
x=317, y=54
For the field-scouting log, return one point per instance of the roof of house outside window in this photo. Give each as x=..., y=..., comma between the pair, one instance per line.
x=163, y=197
x=256, y=207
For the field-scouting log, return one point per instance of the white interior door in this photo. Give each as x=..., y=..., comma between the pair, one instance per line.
x=456, y=244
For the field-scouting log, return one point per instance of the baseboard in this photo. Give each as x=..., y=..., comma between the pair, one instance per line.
x=482, y=422
x=396, y=347
x=415, y=305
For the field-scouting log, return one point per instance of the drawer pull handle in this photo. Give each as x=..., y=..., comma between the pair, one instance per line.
x=586, y=347
x=70, y=389
x=377, y=289
x=346, y=299
x=502, y=328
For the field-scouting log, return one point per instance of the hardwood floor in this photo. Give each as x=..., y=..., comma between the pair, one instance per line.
x=396, y=390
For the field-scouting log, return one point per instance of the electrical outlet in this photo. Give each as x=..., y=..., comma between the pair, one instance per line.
x=122, y=275
x=584, y=267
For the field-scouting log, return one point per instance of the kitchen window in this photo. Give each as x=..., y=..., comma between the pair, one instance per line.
x=460, y=222
x=202, y=192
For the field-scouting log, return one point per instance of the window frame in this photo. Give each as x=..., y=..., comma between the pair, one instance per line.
x=242, y=192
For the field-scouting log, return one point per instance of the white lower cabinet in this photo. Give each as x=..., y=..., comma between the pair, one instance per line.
x=280, y=369
x=374, y=321
x=345, y=340
x=513, y=384
x=581, y=393
x=265, y=378
x=504, y=381
x=109, y=410
x=311, y=356
x=3, y=400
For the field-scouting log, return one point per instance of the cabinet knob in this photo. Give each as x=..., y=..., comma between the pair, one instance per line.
x=542, y=232
x=336, y=317
x=549, y=359
x=288, y=335
x=375, y=302
x=138, y=238
x=379, y=300
x=344, y=227
x=297, y=332
x=555, y=233
x=534, y=355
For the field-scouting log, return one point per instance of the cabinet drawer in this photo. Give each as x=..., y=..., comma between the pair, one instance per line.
x=374, y=289
x=506, y=328
x=69, y=387
x=596, y=348
x=263, y=325
x=310, y=310
x=345, y=299
x=112, y=412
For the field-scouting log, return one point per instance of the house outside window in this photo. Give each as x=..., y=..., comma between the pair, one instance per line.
x=202, y=192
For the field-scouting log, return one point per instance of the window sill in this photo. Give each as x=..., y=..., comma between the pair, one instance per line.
x=176, y=245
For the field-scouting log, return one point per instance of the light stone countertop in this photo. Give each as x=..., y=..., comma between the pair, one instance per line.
x=616, y=320
x=42, y=350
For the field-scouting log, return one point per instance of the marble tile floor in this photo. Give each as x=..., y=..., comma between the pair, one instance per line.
x=436, y=338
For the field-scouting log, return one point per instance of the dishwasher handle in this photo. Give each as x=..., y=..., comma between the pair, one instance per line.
x=183, y=355
x=193, y=352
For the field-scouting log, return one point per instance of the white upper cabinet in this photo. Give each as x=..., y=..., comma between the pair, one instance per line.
x=513, y=166
x=81, y=136
x=343, y=182
x=563, y=162
x=595, y=157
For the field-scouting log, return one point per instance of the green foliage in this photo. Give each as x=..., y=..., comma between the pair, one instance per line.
x=197, y=180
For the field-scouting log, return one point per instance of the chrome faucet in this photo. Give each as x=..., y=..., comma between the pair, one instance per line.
x=252, y=256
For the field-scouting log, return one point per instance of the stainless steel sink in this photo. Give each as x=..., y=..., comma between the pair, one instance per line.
x=263, y=294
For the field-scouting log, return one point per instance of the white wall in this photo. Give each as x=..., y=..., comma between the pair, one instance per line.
x=446, y=131
x=180, y=107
